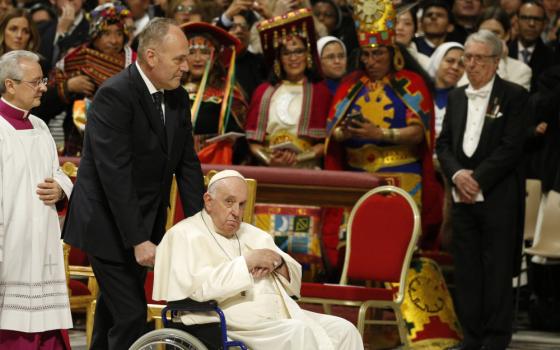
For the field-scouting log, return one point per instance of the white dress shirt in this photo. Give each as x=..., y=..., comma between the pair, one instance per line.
x=476, y=110
x=520, y=49
x=140, y=24
x=151, y=88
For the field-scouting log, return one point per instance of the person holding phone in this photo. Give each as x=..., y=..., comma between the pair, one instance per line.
x=382, y=115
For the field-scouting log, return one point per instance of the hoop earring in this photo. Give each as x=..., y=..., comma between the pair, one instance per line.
x=277, y=69
x=398, y=59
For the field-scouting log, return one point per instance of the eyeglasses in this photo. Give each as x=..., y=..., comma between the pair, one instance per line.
x=531, y=18
x=331, y=57
x=477, y=59
x=295, y=53
x=452, y=61
x=183, y=9
x=36, y=84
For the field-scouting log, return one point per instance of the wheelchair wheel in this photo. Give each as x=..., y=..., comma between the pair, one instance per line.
x=168, y=339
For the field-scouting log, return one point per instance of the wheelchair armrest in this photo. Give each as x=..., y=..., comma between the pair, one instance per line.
x=192, y=305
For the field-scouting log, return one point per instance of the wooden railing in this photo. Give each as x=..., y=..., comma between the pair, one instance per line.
x=298, y=186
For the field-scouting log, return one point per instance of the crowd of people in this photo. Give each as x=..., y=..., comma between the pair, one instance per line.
x=456, y=101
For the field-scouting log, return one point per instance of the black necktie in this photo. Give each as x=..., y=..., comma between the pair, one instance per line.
x=526, y=55
x=158, y=99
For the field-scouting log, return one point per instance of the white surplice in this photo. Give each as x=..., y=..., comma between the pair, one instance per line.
x=33, y=291
x=193, y=261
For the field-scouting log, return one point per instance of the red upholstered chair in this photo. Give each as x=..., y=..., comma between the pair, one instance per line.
x=382, y=232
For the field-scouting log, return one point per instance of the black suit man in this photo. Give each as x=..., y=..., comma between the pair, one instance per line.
x=69, y=29
x=133, y=144
x=529, y=47
x=480, y=149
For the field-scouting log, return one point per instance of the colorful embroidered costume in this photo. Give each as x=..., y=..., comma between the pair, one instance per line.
x=303, y=128
x=289, y=111
x=218, y=107
x=397, y=101
x=87, y=60
x=392, y=103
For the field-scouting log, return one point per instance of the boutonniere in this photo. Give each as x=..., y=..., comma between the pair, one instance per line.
x=493, y=111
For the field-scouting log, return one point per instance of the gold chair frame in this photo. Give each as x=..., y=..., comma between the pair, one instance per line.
x=85, y=302
x=82, y=302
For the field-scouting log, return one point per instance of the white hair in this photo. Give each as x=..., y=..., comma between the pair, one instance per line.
x=10, y=66
x=153, y=35
x=212, y=189
x=485, y=36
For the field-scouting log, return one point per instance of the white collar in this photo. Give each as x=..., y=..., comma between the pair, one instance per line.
x=140, y=23
x=520, y=47
x=151, y=88
x=485, y=88
x=430, y=44
x=78, y=18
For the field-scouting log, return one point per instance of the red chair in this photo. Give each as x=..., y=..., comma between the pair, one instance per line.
x=382, y=232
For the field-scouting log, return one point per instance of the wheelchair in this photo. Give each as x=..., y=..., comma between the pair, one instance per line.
x=181, y=337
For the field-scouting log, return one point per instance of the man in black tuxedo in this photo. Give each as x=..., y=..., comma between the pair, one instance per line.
x=480, y=150
x=137, y=136
x=529, y=47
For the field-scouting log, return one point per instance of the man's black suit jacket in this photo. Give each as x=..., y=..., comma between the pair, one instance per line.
x=129, y=157
x=498, y=157
x=47, y=31
x=543, y=57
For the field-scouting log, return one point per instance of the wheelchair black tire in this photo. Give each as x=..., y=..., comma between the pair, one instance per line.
x=175, y=338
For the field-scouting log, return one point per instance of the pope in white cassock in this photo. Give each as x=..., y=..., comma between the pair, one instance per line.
x=34, y=303
x=214, y=256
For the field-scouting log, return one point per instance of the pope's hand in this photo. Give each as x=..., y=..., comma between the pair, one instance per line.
x=261, y=262
x=145, y=253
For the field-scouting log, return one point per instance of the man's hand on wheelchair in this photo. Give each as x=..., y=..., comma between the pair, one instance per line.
x=145, y=253
x=262, y=262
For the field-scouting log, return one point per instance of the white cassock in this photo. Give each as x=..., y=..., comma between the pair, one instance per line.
x=193, y=261
x=33, y=291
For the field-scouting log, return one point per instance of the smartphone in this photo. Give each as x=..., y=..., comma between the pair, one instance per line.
x=355, y=117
